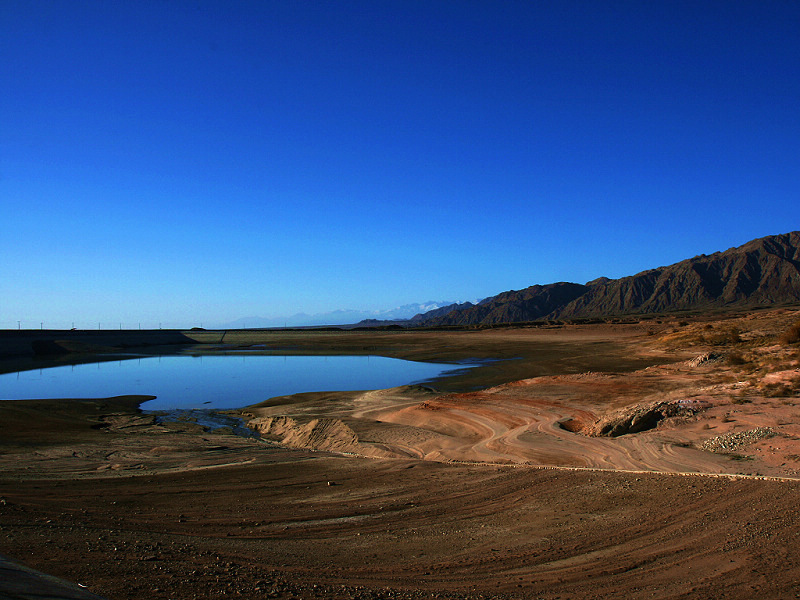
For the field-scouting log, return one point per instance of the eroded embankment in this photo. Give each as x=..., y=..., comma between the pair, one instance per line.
x=656, y=419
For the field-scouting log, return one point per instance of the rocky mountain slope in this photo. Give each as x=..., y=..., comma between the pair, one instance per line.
x=763, y=272
x=524, y=305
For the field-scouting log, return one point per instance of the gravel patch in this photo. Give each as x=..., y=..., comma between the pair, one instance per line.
x=733, y=441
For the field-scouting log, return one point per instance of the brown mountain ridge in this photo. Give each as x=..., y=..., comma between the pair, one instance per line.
x=762, y=272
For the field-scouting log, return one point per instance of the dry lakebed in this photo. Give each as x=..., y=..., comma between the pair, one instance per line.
x=631, y=458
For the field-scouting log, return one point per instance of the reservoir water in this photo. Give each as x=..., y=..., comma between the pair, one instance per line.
x=217, y=381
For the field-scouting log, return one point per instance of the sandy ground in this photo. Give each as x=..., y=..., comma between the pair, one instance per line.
x=502, y=491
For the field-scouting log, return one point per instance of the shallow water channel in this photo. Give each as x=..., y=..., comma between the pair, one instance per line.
x=217, y=381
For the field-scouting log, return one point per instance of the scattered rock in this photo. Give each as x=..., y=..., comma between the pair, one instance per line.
x=738, y=439
x=704, y=359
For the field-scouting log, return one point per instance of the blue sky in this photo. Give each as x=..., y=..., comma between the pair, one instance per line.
x=194, y=161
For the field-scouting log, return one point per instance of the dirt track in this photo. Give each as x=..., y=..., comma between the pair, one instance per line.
x=92, y=492
x=275, y=528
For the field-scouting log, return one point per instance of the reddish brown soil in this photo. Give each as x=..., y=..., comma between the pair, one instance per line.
x=396, y=529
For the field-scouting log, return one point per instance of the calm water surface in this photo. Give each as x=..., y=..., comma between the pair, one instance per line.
x=229, y=381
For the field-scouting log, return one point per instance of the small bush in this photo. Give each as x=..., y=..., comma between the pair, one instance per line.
x=736, y=358
x=736, y=456
x=780, y=390
x=729, y=336
x=791, y=335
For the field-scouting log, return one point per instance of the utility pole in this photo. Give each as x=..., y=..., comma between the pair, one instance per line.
x=19, y=325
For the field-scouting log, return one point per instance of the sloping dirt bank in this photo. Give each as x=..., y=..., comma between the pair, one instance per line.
x=661, y=418
x=726, y=404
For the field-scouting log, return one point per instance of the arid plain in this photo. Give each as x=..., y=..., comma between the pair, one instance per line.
x=652, y=458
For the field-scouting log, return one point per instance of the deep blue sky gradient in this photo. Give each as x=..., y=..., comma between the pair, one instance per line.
x=192, y=161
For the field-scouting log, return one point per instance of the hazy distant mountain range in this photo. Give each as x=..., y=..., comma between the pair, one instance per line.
x=339, y=317
x=763, y=272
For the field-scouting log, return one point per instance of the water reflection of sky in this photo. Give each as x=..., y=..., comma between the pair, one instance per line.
x=230, y=381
